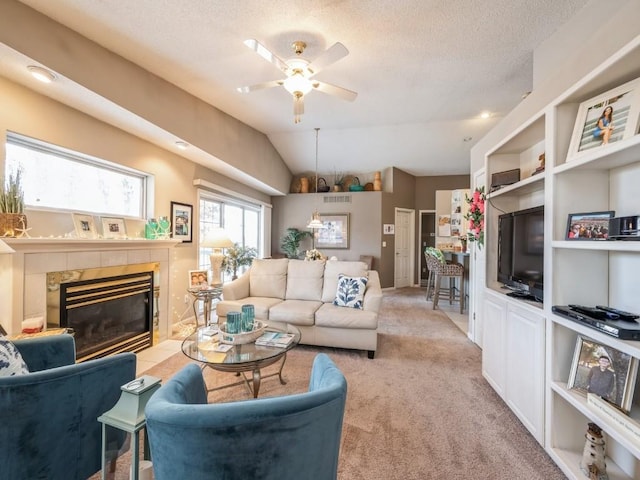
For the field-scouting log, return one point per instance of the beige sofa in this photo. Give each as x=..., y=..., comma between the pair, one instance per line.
x=301, y=293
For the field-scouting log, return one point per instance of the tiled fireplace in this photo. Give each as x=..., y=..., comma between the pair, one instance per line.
x=27, y=278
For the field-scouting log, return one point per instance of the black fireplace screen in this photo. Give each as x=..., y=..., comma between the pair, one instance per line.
x=108, y=315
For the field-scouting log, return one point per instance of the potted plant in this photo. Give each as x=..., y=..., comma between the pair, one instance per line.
x=290, y=243
x=12, y=217
x=237, y=257
x=338, y=180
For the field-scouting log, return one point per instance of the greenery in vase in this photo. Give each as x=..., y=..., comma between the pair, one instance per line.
x=290, y=243
x=237, y=257
x=12, y=196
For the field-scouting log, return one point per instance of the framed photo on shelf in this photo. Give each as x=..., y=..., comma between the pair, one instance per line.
x=113, y=227
x=182, y=222
x=589, y=226
x=604, y=371
x=84, y=225
x=198, y=278
x=606, y=119
x=335, y=231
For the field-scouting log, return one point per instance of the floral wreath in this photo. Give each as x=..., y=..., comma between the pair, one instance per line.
x=475, y=215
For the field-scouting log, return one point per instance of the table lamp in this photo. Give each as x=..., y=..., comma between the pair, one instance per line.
x=218, y=240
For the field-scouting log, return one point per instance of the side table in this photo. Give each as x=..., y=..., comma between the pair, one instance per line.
x=128, y=415
x=206, y=296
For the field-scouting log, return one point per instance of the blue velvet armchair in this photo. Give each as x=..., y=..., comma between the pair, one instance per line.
x=48, y=418
x=277, y=438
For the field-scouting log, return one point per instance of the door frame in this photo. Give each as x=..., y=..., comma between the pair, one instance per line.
x=419, y=251
x=411, y=235
x=477, y=276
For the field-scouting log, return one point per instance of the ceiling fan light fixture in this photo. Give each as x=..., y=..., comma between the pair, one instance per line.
x=297, y=83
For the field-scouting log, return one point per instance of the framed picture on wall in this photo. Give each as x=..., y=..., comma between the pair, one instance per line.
x=182, y=221
x=335, y=231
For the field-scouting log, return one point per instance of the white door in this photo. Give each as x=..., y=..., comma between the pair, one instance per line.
x=478, y=276
x=404, y=246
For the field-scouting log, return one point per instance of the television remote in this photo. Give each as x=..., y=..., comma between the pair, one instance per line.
x=594, y=312
x=621, y=313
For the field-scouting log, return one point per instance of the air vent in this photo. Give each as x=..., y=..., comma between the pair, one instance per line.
x=337, y=199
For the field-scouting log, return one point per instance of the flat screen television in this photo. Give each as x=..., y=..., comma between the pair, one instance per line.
x=521, y=251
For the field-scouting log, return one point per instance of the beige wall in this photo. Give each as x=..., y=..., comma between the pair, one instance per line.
x=28, y=113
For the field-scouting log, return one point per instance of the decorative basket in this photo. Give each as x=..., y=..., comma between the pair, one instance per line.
x=322, y=185
x=355, y=186
x=244, y=337
x=12, y=224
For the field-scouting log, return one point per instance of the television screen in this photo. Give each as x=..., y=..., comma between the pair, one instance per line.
x=521, y=250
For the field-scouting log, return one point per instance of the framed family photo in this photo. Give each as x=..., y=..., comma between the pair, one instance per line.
x=589, y=225
x=84, y=225
x=334, y=232
x=604, y=371
x=198, y=278
x=182, y=221
x=606, y=119
x=113, y=227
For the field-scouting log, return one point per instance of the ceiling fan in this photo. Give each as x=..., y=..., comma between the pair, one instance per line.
x=299, y=73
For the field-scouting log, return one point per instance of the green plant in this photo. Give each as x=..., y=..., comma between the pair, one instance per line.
x=12, y=196
x=290, y=243
x=338, y=178
x=237, y=257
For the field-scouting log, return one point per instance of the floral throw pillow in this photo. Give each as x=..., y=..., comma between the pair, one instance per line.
x=350, y=291
x=11, y=362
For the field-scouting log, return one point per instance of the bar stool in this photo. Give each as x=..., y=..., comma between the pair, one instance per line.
x=439, y=270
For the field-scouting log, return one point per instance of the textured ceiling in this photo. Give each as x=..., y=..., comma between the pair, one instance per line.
x=423, y=69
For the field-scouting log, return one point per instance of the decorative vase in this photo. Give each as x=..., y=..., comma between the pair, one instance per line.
x=377, y=182
x=304, y=185
x=13, y=224
x=337, y=188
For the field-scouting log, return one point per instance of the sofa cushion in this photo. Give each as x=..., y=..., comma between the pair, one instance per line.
x=350, y=292
x=11, y=362
x=268, y=278
x=261, y=306
x=329, y=315
x=304, y=280
x=296, y=312
x=334, y=268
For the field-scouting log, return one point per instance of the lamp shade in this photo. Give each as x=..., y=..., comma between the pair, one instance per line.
x=217, y=238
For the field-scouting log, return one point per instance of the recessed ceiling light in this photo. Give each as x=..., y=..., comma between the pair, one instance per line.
x=467, y=139
x=485, y=115
x=182, y=145
x=42, y=74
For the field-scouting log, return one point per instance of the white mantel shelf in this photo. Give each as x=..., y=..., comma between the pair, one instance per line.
x=48, y=244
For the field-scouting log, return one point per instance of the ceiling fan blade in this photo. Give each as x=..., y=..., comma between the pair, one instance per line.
x=343, y=93
x=332, y=55
x=265, y=53
x=260, y=86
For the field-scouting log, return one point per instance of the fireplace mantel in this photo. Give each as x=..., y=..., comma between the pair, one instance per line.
x=23, y=273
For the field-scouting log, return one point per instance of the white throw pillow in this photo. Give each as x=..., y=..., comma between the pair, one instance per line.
x=11, y=362
x=350, y=291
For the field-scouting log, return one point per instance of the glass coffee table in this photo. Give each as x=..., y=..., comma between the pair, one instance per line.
x=203, y=344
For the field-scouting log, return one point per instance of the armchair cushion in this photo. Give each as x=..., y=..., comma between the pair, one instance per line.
x=11, y=362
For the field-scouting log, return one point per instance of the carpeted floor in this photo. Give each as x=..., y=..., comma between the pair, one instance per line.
x=420, y=410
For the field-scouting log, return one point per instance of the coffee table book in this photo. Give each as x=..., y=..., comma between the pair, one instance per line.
x=275, y=339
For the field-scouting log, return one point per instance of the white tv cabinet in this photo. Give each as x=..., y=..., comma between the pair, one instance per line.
x=527, y=349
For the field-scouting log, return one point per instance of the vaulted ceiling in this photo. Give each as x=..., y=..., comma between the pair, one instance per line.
x=424, y=70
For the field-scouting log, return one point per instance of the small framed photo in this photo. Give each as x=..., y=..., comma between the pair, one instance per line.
x=182, y=221
x=334, y=232
x=84, y=225
x=604, y=371
x=589, y=226
x=606, y=119
x=113, y=227
x=198, y=279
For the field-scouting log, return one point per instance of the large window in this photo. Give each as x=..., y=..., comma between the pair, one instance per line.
x=56, y=178
x=241, y=221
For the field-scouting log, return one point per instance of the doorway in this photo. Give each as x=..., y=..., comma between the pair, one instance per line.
x=427, y=239
x=404, y=247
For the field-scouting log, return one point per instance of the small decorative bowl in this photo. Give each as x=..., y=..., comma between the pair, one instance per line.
x=244, y=337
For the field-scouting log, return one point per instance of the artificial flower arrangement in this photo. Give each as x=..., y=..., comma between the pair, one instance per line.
x=314, y=255
x=475, y=215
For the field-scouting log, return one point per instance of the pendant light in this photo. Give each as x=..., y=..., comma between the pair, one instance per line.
x=315, y=222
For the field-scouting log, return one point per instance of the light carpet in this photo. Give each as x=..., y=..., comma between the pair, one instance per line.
x=420, y=410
